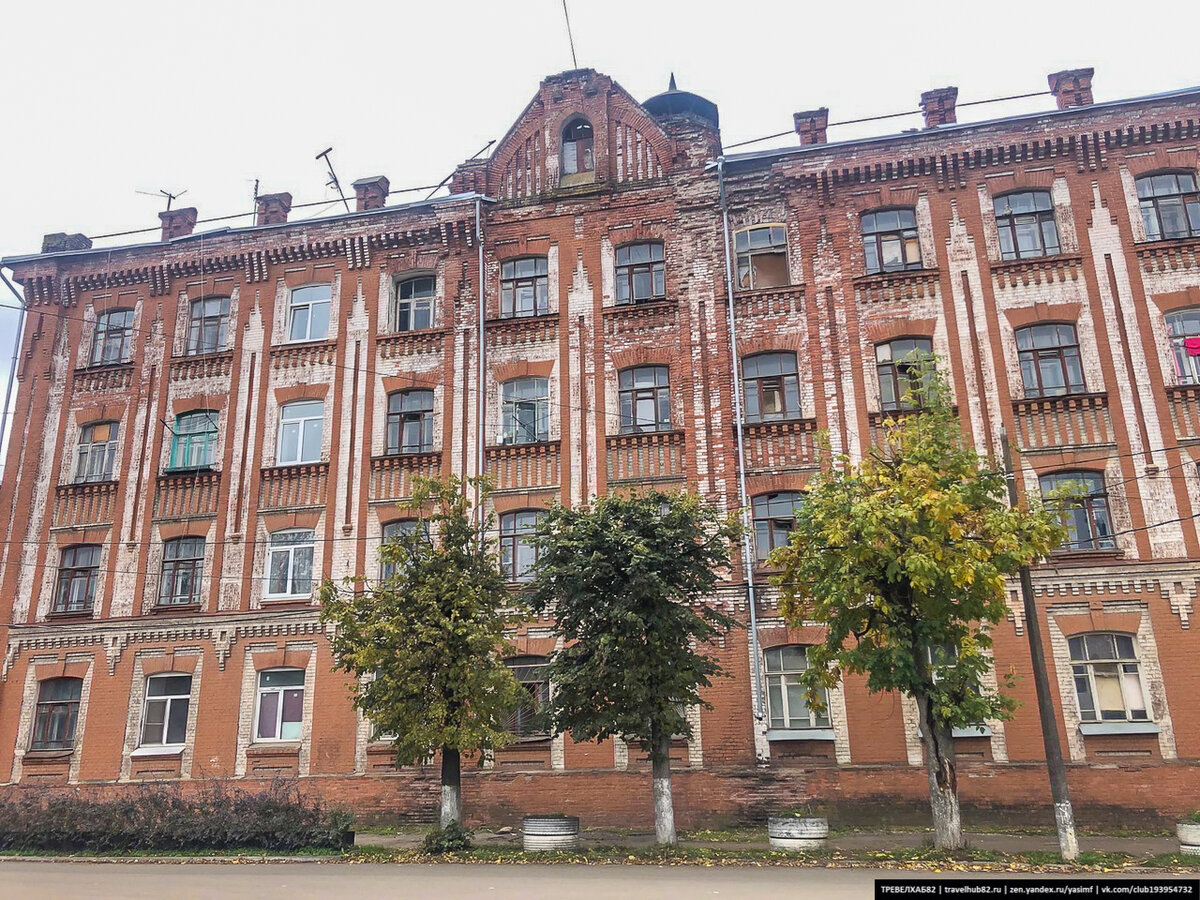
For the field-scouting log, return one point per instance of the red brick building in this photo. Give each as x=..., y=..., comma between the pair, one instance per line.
x=208, y=424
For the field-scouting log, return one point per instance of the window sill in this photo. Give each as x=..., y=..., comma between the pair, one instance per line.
x=1001, y=265
x=800, y=734
x=287, y=599
x=526, y=740
x=517, y=321
x=658, y=303
x=740, y=293
x=1167, y=242
x=98, y=482
x=431, y=331
x=203, y=354
x=166, y=609
x=47, y=755
x=524, y=445
x=1099, y=728
x=105, y=367
x=158, y=750
x=298, y=467
x=971, y=731
x=267, y=747
x=870, y=278
x=1084, y=557
x=68, y=615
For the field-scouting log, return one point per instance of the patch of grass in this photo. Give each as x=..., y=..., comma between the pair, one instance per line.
x=746, y=834
x=391, y=829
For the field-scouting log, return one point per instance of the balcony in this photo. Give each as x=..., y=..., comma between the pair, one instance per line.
x=879, y=287
x=392, y=476
x=524, y=466
x=1184, y=400
x=186, y=493
x=517, y=331
x=403, y=343
x=102, y=379
x=765, y=302
x=1051, y=422
x=775, y=446
x=289, y=487
x=631, y=319
x=640, y=458
x=85, y=503
x=206, y=365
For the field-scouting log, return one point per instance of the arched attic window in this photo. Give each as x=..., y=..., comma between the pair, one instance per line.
x=578, y=153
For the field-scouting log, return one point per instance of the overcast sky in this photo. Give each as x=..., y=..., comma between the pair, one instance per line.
x=103, y=100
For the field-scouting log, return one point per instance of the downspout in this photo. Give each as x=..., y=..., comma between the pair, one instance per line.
x=738, y=412
x=480, y=383
x=12, y=369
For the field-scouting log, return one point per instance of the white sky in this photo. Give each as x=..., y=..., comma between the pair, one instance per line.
x=106, y=99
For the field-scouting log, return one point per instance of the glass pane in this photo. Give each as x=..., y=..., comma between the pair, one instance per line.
x=177, y=721
x=268, y=714
x=299, y=330
x=775, y=702
x=152, y=728
x=797, y=706
x=281, y=678
x=1134, y=699
x=170, y=686
x=311, y=449
x=293, y=708
x=277, y=582
x=302, y=558
x=289, y=443
x=1108, y=691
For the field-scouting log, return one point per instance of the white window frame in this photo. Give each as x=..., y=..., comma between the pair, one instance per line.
x=307, y=305
x=260, y=691
x=169, y=700
x=814, y=724
x=89, y=451
x=1122, y=663
x=300, y=423
x=289, y=549
x=510, y=420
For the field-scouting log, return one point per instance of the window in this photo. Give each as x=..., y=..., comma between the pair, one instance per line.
x=526, y=412
x=290, y=563
x=524, y=288
x=165, y=717
x=577, y=152
x=896, y=362
x=1170, y=205
x=183, y=569
x=110, y=343
x=308, y=313
x=1050, y=364
x=890, y=241
x=1107, y=682
x=393, y=531
x=1181, y=326
x=412, y=308
x=300, y=426
x=78, y=571
x=787, y=706
x=97, y=452
x=771, y=386
x=645, y=399
x=57, y=714
x=641, y=273
x=207, y=325
x=280, y=705
x=1085, y=513
x=530, y=672
x=762, y=257
x=518, y=552
x=774, y=520
x=194, y=440
x=410, y=422
x=1026, y=225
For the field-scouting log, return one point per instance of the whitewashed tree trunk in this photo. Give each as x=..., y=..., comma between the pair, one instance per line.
x=664, y=807
x=451, y=788
x=940, y=763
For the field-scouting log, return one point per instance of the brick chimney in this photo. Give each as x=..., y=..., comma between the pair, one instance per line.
x=177, y=222
x=371, y=193
x=811, y=125
x=1072, y=87
x=937, y=106
x=60, y=242
x=273, y=209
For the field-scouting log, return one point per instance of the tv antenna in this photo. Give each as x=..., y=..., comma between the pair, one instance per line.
x=570, y=37
x=333, y=179
x=171, y=198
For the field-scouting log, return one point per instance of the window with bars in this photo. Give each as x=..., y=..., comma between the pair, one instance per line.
x=1025, y=222
x=890, y=241
x=194, y=440
x=518, y=552
x=771, y=387
x=1182, y=325
x=1108, y=683
x=280, y=712
x=182, y=572
x=787, y=703
x=1050, y=361
x=97, y=452
x=1085, y=513
x=208, y=323
x=290, y=563
x=308, y=312
x=578, y=150
x=774, y=520
x=525, y=411
x=530, y=672
x=524, y=287
x=410, y=422
x=1170, y=205
x=57, y=715
x=111, y=339
x=645, y=398
x=165, y=714
x=78, y=572
x=300, y=432
x=898, y=364
x=762, y=257
x=641, y=273
x=412, y=306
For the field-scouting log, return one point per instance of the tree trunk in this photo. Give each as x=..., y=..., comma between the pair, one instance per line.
x=938, y=741
x=664, y=808
x=451, y=788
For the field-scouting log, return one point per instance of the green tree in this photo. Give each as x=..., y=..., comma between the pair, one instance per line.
x=626, y=580
x=904, y=559
x=424, y=643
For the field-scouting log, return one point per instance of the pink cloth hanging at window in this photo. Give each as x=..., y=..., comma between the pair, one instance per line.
x=1192, y=346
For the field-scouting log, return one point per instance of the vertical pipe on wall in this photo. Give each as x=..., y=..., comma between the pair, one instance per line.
x=480, y=381
x=12, y=369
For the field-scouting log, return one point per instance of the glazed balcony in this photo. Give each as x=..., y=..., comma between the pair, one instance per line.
x=392, y=476
x=525, y=466
x=84, y=503
x=646, y=457
x=186, y=493
x=1051, y=422
x=289, y=487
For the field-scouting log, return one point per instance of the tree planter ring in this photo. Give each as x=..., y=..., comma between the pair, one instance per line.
x=788, y=833
x=550, y=832
x=1189, y=838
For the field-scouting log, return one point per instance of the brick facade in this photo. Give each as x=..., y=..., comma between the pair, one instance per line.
x=651, y=176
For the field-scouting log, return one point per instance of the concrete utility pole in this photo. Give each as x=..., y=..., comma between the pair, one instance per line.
x=1064, y=818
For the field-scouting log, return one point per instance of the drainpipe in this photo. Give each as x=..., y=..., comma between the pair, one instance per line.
x=480, y=386
x=12, y=369
x=739, y=413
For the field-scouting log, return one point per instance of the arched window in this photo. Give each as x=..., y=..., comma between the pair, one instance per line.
x=771, y=386
x=1085, y=509
x=530, y=672
x=412, y=306
x=410, y=422
x=78, y=572
x=308, y=312
x=300, y=432
x=1170, y=205
x=182, y=571
x=577, y=148
x=896, y=363
x=1182, y=325
x=57, y=715
x=518, y=553
x=645, y=397
x=890, y=241
x=194, y=440
x=110, y=341
x=787, y=704
x=525, y=416
x=762, y=257
x=524, y=288
x=1025, y=221
x=1108, y=684
x=641, y=273
x=97, y=451
x=1050, y=364
x=165, y=715
x=774, y=520
x=208, y=322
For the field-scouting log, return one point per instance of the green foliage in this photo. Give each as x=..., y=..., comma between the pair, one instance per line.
x=625, y=579
x=451, y=839
x=1193, y=818
x=904, y=557
x=424, y=644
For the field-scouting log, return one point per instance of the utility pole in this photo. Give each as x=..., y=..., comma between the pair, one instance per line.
x=1064, y=818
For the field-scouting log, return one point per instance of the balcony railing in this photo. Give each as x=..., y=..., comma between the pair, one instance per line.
x=651, y=456
x=183, y=494
x=392, y=476
x=287, y=487
x=524, y=465
x=85, y=503
x=1052, y=422
x=780, y=445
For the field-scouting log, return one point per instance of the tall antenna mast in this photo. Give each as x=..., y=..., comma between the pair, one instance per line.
x=570, y=37
x=333, y=179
